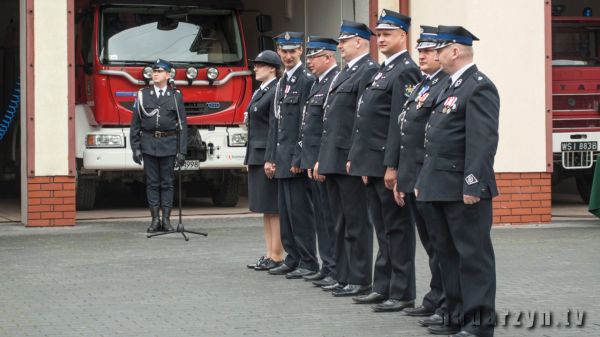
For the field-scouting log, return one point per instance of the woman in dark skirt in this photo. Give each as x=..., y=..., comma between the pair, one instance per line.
x=262, y=189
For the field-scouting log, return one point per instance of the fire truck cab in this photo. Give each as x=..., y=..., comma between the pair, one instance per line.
x=116, y=41
x=575, y=98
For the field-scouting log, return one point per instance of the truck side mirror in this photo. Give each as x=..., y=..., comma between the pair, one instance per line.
x=264, y=23
x=265, y=43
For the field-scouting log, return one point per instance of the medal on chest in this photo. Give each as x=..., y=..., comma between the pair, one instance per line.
x=449, y=104
x=422, y=96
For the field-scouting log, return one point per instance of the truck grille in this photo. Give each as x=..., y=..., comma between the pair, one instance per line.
x=574, y=160
x=194, y=108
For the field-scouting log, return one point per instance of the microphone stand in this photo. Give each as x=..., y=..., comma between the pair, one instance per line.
x=180, y=228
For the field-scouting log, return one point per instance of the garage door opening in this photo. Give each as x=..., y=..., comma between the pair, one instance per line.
x=10, y=97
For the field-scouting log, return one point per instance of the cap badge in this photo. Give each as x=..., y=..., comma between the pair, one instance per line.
x=422, y=30
x=287, y=36
x=383, y=13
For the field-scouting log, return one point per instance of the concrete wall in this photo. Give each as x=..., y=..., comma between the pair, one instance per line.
x=51, y=88
x=514, y=60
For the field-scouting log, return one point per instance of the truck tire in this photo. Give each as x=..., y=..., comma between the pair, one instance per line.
x=227, y=193
x=584, y=186
x=86, y=194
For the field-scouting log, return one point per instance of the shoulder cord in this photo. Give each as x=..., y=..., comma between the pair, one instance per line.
x=141, y=107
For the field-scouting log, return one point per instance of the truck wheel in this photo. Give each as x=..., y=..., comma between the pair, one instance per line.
x=227, y=193
x=584, y=186
x=86, y=194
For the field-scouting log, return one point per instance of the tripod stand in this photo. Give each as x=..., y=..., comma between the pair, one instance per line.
x=179, y=228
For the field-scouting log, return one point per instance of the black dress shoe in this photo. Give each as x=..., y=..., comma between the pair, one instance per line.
x=419, y=311
x=327, y=281
x=281, y=270
x=335, y=286
x=464, y=334
x=299, y=273
x=253, y=265
x=443, y=329
x=268, y=264
x=352, y=290
x=371, y=298
x=314, y=277
x=434, y=319
x=392, y=305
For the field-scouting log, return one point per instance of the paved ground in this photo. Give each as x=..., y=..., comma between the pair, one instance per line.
x=107, y=279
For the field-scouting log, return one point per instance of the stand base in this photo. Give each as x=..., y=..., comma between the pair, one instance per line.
x=179, y=229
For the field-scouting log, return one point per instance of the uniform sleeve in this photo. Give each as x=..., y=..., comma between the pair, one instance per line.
x=135, y=129
x=184, y=129
x=305, y=91
x=481, y=124
x=408, y=78
x=272, y=134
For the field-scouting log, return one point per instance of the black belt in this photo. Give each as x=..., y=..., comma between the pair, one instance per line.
x=160, y=134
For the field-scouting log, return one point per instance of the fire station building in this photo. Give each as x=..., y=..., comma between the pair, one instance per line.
x=515, y=51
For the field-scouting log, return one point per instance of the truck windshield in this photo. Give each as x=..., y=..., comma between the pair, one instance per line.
x=575, y=44
x=130, y=35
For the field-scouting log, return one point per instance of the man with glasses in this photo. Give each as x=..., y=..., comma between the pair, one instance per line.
x=320, y=58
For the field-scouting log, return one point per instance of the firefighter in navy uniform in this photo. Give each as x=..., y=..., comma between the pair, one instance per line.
x=296, y=214
x=412, y=121
x=158, y=115
x=457, y=183
x=354, y=238
x=376, y=114
x=320, y=57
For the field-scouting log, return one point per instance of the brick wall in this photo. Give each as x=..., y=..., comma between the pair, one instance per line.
x=51, y=201
x=524, y=198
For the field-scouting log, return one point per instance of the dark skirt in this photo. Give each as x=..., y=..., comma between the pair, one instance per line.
x=262, y=191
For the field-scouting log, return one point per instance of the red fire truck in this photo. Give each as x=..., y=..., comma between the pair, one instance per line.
x=576, y=98
x=116, y=40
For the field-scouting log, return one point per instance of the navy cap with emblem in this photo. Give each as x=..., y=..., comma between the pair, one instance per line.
x=428, y=37
x=317, y=44
x=268, y=57
x=162, y=64
x=448, y=35
x=351, y=29
x=393, y=20
x=289, y=40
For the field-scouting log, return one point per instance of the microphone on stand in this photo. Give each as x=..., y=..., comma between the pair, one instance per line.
x=171, y=83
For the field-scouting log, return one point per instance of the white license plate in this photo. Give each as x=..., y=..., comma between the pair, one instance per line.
x=191, y=165
x=579, y=146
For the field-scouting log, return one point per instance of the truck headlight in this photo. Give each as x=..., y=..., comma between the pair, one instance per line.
x=212, y=73
x=238, y=139
x=147, y=73
x=191, y=73
x=94, y=141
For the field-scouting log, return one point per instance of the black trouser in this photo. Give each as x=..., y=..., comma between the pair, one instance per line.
x=354, y=237
x=434, y=300
x=296, y=219
x=159, y=180
x=462, y=239
x=324, y=226
x=394, y=274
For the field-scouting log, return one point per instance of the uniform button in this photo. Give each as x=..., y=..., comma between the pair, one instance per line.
x=433, y=112
x=403, y=133
x=356, y=131
x=277, y=144
x=324, y=131
x=426, y=155
x=401, y=146
x=453, y=166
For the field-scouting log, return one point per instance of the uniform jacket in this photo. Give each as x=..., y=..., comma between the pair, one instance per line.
x=312, y=121
x=412, y=121
x=338, y=117
x=150, y=114
x=461, y=138
x=285, y=134
x=375, y=126
x=260, y=116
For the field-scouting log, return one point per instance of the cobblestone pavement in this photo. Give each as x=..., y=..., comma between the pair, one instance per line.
x=107, y=279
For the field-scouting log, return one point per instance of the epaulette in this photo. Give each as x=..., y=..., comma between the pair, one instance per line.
x=308, y=74
x=479, y=77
